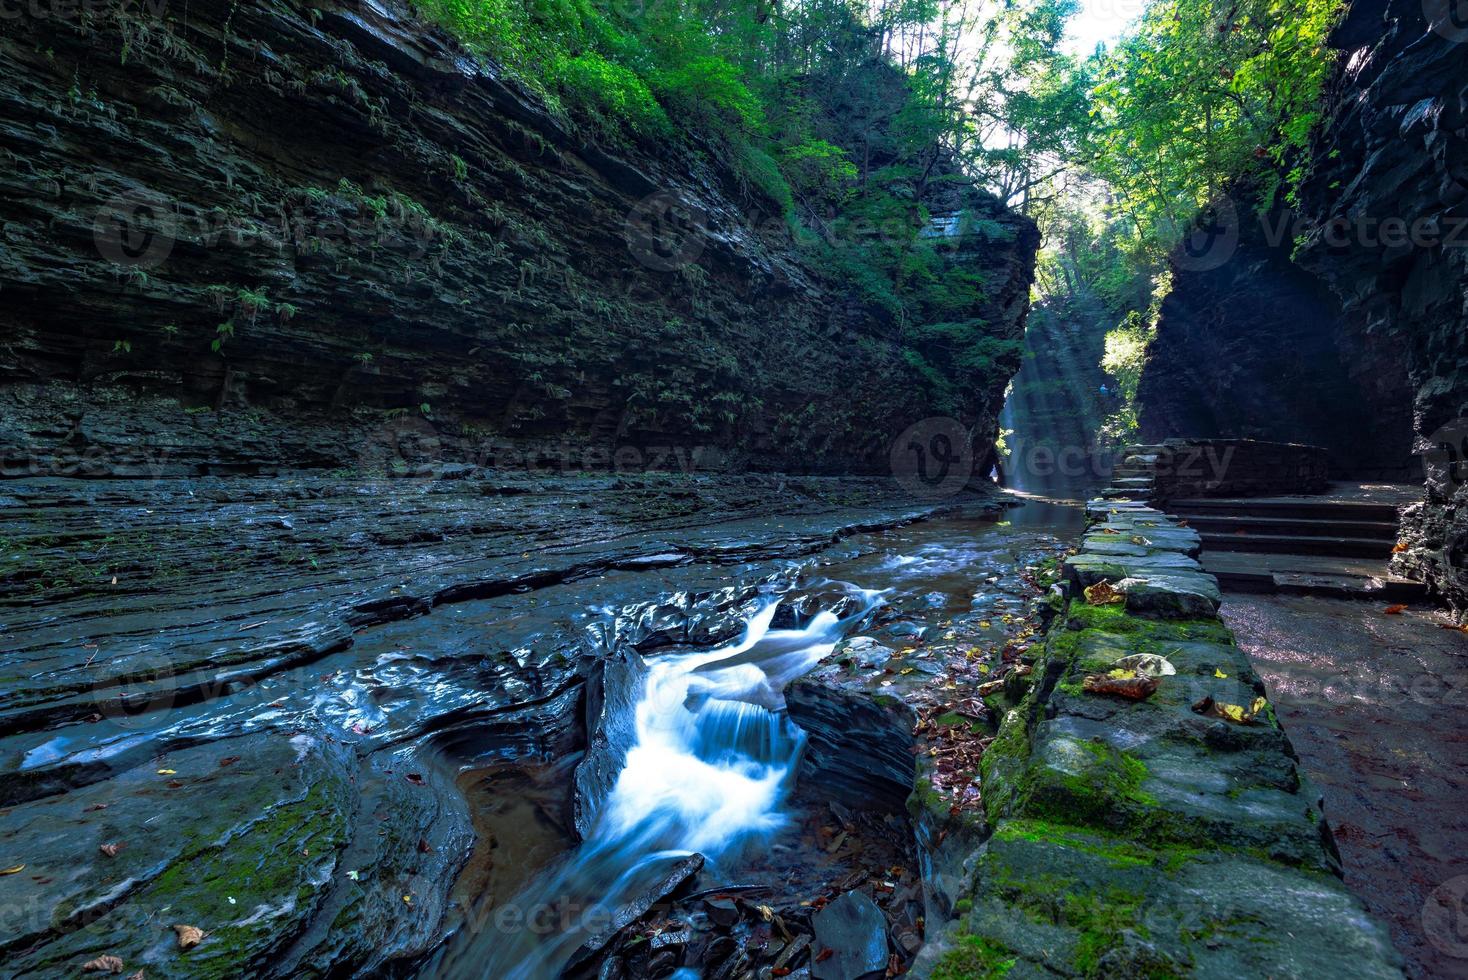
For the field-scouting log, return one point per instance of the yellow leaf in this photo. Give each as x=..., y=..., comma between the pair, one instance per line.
x=1257, y=706
x=983, y=668
x=12, y=871
x=1122, y=675
x=167, y=772
x=1219, y=674
x=1232, y=712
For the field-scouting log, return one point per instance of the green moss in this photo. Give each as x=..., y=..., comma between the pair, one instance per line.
x=974, y=958
x=1116, y=851
x=264, y=865
x=963, y=906
x=1089, y=783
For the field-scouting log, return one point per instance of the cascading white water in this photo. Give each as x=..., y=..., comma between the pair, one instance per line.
x=708, y=773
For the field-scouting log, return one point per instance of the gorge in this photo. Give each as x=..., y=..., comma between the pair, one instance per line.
x=683, y=490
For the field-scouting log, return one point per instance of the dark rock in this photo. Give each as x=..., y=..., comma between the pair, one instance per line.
x=856, y=930
x=612, y=692
x=1254, y=347
x=659, y=887
x=413, y=188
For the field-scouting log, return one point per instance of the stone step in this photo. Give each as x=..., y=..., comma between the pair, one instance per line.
x=1293, y=526
x=1133, y=481
x=1301, y=507
x=1342, y=578
x=1288, y=544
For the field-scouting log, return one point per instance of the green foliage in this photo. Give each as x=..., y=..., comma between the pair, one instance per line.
x=1202, y=98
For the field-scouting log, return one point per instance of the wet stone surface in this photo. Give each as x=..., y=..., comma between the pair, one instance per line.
x=327, y=724
x=1374, y=704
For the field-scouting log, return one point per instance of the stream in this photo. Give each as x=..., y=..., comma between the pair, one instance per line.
x=709, y=785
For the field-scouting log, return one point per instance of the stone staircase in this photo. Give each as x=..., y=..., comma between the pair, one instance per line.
x=1135, y=475
x=1317, y=545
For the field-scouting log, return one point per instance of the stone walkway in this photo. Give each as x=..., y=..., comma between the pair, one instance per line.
x=1374, y=704
x=1166, y=835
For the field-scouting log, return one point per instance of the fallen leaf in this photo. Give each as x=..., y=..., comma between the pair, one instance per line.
x=1399, y=547
x=407, y=899
x=95, y=806
x=825, y=955
x=188, y=936
x=110, y=849
x=1235, y=713
x=1453, y=626
x=103, y=964
x=167, y=772
x=1219, y=674
x=1132, y=688
x=229, y=760
x=415, y=778
x=1103, y=594
x=1396, y=609
x=135, y=976
x=12, y=871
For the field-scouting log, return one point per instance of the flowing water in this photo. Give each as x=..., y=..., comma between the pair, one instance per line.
x=714, y=755
x=712, y=762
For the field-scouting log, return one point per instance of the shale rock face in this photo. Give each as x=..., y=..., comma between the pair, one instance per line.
x=1254, y=347
x=250, y=237
x=1389, y=202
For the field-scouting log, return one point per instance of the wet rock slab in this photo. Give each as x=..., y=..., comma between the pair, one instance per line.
x=262, y=691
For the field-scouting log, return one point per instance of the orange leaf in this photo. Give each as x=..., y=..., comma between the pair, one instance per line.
x=1396, y=609
x=1399, y=547
x=1103, y=594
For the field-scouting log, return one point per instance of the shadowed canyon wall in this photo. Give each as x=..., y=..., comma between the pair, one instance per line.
x=1388, y=199
x=1346, y=324
x=251, y=237
x=1250, y=346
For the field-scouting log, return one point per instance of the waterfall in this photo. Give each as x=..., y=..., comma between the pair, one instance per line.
x=712, y=763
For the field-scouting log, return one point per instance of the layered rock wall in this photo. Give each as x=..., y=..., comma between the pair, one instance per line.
x=250, y=237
